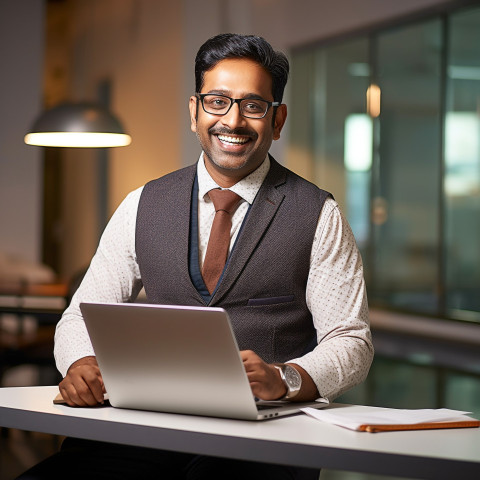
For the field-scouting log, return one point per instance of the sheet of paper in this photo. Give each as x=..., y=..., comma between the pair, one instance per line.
x=353, y=417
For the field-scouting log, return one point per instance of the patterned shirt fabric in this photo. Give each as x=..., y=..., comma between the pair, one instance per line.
x=336, y=294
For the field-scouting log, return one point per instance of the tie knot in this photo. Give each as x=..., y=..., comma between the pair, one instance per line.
x=225, y=200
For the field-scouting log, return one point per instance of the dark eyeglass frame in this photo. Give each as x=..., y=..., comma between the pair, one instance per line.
x=201, y=96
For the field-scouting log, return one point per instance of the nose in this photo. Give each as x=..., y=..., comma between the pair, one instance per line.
x=232, y=119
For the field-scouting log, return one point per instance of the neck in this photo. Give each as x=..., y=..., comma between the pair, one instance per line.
x=225, y=177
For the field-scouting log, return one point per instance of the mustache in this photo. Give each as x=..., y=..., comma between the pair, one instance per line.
x=237, y=131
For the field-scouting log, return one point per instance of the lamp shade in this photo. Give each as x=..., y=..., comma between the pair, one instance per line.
x=77, y=125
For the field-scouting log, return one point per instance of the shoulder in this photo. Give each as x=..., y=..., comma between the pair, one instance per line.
x=173, y=178
x=130, y=202
x=172, y=191
x=288, y=181
x=333, y=223
x=168, y=189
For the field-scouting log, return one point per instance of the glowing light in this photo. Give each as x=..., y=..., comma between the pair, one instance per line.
x=78, y=139
x=373, y=100
x=358, y=142
x=83, y=125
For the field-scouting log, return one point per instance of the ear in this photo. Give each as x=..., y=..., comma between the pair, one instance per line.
x=279, y=122
x=192, y=105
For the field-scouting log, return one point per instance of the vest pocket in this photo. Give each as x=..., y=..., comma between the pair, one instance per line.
x=252, y=302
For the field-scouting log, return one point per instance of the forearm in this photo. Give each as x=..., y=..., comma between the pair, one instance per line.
x=72, y=341
x=113, y=276
x=337, y=300
x=337, y=366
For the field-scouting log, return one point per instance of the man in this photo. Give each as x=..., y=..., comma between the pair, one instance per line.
x=293, y=273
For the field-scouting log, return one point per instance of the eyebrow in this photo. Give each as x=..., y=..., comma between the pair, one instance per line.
x=227, y=93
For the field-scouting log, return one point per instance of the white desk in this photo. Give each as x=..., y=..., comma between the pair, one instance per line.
x=297, y=440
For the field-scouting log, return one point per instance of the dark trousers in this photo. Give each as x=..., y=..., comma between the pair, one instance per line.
x=85, y=459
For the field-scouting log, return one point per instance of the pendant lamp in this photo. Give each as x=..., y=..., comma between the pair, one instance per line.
x=84, y=125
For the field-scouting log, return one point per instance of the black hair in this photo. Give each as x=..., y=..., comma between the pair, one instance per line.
x=230, y=45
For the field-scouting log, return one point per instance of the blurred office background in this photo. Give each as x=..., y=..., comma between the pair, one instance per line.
x=384, y=111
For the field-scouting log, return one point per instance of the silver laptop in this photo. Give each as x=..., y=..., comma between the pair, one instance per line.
x=174, y=359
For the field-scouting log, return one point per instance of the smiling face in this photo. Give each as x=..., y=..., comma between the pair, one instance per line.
x=234, y=146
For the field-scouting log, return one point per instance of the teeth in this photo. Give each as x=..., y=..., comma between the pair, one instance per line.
x=228, y=139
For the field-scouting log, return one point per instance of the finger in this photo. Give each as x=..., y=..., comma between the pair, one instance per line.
x=83, y=387
x=246, y=355
x=94, y=382
x=266, y=383
x=251, y=361
x=70, y=395
x=78, y=395
x=89, y=394
x=65, y=395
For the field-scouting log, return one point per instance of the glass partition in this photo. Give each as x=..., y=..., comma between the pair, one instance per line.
x=331, y=134
x=389, y=122
x=406, y=243
x=462, y=167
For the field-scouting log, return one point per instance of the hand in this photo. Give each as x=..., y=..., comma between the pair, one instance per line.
x=265, y=380
x=83, y=384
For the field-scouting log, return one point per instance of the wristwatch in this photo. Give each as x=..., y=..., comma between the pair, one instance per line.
x=291, y=379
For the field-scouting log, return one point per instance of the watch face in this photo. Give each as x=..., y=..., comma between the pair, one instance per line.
x=292, y=377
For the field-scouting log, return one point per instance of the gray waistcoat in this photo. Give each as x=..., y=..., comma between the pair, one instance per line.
x=263, y=286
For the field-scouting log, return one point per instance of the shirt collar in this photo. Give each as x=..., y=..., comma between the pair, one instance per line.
x=247, y=187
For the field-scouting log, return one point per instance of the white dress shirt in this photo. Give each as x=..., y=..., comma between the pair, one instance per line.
x=335, y=294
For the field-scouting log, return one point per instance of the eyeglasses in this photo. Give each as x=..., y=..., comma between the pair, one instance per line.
x=215, y=104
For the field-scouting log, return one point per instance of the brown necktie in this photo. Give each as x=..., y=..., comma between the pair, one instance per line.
x=225, y=203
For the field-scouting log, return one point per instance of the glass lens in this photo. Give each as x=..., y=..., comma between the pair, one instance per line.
x=253, y=108
x=216, y=104
x=220, y=104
